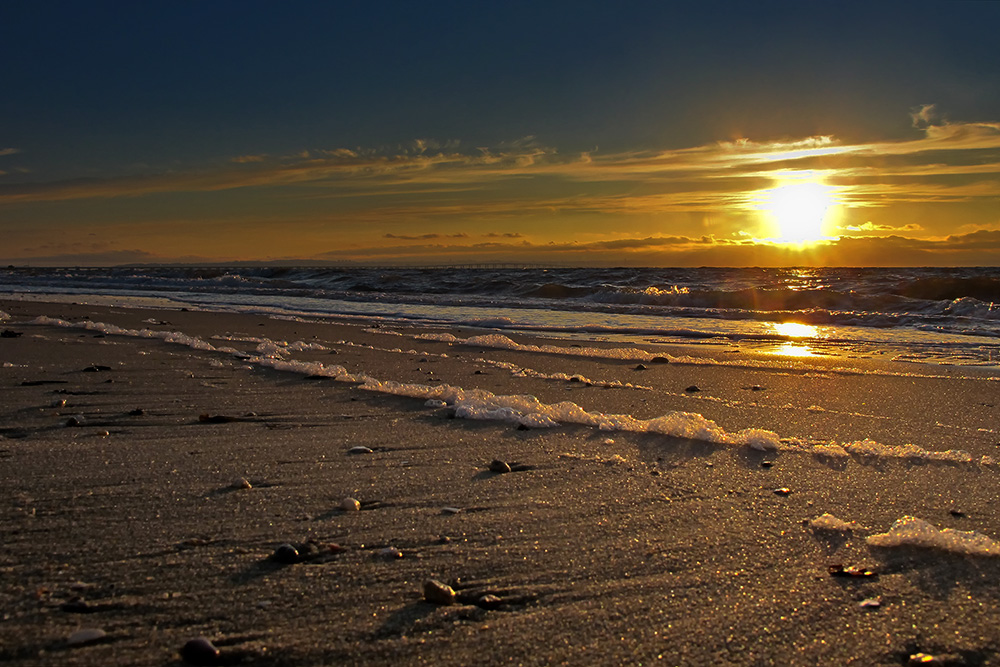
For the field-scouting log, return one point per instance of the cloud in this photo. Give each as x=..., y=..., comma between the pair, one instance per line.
x=427, y=182
x=508, y=235
x=424, y=237
x=9, y=151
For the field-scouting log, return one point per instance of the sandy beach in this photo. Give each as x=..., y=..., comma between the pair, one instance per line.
x=149, y=481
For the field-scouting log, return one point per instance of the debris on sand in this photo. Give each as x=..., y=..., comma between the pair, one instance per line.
x=437, y=593
x=499, y=466
x=200, y=651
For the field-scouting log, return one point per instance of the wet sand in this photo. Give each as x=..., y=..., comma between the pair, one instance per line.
x=600, y=547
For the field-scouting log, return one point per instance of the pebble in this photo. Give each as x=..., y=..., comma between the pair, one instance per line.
x=285, y=553
x=360, y=450
x=438, y=593
x=86, y=636
x=138, y=412
x=640, y=367
x=609, y=441
x=200, y=651
x=350, y=504
x=489, y=601
x=390, y=553
x=693, y=389
x=59, y=403
x=923, y=659
x=870, y=603
x=766, y=464
x=242, y=483
x=76, y=420
x=783, y=491
x=499, y=466
x=450, y=510
x=104, y=434
x=659, y=360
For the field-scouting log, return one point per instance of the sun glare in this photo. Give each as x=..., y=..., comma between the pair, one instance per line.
x=798, y=210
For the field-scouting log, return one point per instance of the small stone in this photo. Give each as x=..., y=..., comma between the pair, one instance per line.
x=640, y=367
x=86, y=636
x=438, y=593
x=851, y=571
x=350, y=504
x=693, y=389
x=138, y=412
x=450, y=510
x=576, y=378
x=285, y=553
x=523, y=427
x=499, y=466
x=200, y=651
x=923, y=659
x=958, y=514
x=756, y=387
x=360, y=450
x=609, y=441
x=489, y=601
x=59, y=403
x=242, y=483
x=8, y=333
x=76, y=420
x=766, y=464
x=96, y=368
x=659, y=360
x=390, y=553
x=870, y=603
x=782, y=491
x=103, y=434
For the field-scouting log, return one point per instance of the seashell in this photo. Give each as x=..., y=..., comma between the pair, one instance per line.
x=438, y=593
x=499, y=466
x=350, y=504
x=285, y=553
x=200, y=651
x=360, y=450
x=86, y=636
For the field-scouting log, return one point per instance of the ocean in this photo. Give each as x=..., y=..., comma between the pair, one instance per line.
x=945, y=316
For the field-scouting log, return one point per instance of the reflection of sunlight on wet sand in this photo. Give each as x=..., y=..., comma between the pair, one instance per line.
x=793, y=350
x=794, y=330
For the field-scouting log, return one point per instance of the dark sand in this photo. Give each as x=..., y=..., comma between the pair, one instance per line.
x=646, y=550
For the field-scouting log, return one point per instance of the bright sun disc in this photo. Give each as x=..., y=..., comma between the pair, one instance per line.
x=798, y=210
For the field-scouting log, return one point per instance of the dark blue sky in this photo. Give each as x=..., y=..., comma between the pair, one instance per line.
x=120, y=89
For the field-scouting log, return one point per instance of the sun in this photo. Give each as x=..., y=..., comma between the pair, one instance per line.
x=798, y=210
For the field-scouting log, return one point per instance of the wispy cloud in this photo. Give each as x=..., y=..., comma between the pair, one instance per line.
x=944, y=162
x=9, y=151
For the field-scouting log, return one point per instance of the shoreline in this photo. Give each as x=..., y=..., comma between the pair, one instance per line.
x=646, y=548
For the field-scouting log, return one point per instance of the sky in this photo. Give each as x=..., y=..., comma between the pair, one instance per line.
x=546, y=133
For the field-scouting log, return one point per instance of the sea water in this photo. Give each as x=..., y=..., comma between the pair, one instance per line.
x=925, y=315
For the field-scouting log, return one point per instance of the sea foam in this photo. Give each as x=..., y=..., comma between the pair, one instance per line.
x=913, y=532
x=527, y=410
